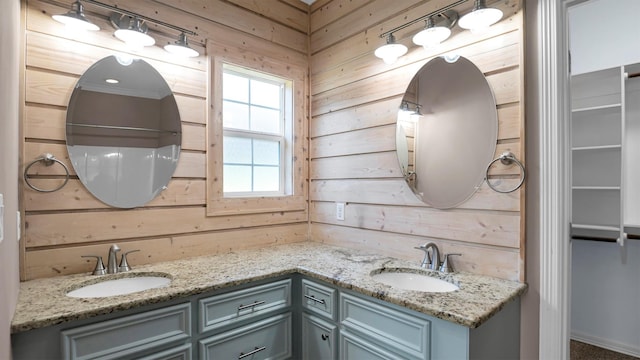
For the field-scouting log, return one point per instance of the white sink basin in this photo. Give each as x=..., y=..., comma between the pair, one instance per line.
x=414, y=281
x=121, y=286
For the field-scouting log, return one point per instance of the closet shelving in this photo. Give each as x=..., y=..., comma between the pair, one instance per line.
x=605, y=154
x=597, y=150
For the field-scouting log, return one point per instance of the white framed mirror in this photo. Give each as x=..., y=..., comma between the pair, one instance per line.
x=123, y=131
x=448, y=117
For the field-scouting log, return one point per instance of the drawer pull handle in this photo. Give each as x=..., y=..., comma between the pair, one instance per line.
x=242, y=307
x=311, y=297
x=324, y=337
x=256, y=350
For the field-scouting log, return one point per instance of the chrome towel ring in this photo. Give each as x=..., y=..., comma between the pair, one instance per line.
x=506, y=158
x=48, y=160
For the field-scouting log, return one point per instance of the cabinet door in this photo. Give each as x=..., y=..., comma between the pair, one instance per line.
x=395, y=329
x=178, y=353
x=126, y=336
x=353, y=347
x=266, y=339
x=319, y=339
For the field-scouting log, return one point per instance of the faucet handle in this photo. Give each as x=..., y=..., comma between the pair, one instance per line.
x=99, y=269
x=426, y=261
x=124, y=265
x=446, y=266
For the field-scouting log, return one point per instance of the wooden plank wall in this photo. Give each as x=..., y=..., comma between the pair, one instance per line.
x=355, y=97
x=63, y=225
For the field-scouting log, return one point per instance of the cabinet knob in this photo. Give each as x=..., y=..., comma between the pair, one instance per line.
x=324, y=337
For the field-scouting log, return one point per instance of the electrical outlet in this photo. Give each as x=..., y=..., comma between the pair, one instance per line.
x=340, y=211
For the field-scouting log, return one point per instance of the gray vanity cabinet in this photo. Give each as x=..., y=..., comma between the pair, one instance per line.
x=399, y=332
x=132, y=335
x=368, y=328
x=226, y=316
x=319, y=327
x=261, y=321
x=266, y=339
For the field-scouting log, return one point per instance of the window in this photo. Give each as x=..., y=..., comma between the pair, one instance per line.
x=254, y=121
x=257, y=129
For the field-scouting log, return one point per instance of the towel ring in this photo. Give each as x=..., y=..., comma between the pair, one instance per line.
x=48, y=160
x=506, y=158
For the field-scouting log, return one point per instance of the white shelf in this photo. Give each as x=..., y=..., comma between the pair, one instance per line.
x=597, y=108
x=598, y=144
x=595, y=227
x=599, y=147
x=596, y=188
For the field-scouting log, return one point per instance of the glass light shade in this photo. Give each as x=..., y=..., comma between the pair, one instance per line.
x=181, y=47
x=432, y=36
x=480, y=19
x=389, y=53
x=75, y=18
x=134, y=38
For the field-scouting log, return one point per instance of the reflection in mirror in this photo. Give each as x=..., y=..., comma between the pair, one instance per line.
x=448, y=117
x=123, y=131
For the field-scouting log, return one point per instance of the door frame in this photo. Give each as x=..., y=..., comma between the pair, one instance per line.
x=554, y=159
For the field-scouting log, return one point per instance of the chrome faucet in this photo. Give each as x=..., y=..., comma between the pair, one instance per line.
x=112, y=262
x=431, y=259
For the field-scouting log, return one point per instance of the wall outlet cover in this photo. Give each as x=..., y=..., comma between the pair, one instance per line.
x=340, y=211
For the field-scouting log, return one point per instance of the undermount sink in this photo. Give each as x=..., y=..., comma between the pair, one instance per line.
x=408, y=280
x=121, y=286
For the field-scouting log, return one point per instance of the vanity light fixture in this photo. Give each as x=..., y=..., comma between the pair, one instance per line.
x=438, y=27
x=433, y=34
x=406, y=108
x=75, y=18
x=130, y=27
x=181, y=47
x=480, y=18
x=131, y=30
x=391, y=51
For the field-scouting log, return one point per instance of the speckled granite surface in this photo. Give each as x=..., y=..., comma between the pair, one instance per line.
x=43, y=302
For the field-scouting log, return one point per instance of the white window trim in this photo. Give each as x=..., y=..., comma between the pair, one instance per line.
x=217, y=203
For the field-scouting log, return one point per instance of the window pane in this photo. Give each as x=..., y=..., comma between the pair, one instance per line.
x=235, y=116
x=265, y=94
x=266, y=152
x=235, y=87
x=237, y=150
x=265, y=120
x=266, y=178
x=237, y=178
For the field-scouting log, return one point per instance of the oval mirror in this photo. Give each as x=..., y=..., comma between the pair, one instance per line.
x=448, y=117
x=123, y=131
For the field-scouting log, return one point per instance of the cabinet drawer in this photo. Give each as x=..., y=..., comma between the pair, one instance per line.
x=179, y=353
x=319, y=299
x=354, y=348
x=266, y=339
x=319, y=338
x=392, y=329
x=229, y=308
x=114, y=339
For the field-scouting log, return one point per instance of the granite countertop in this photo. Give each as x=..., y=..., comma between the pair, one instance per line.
x=43, y=302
